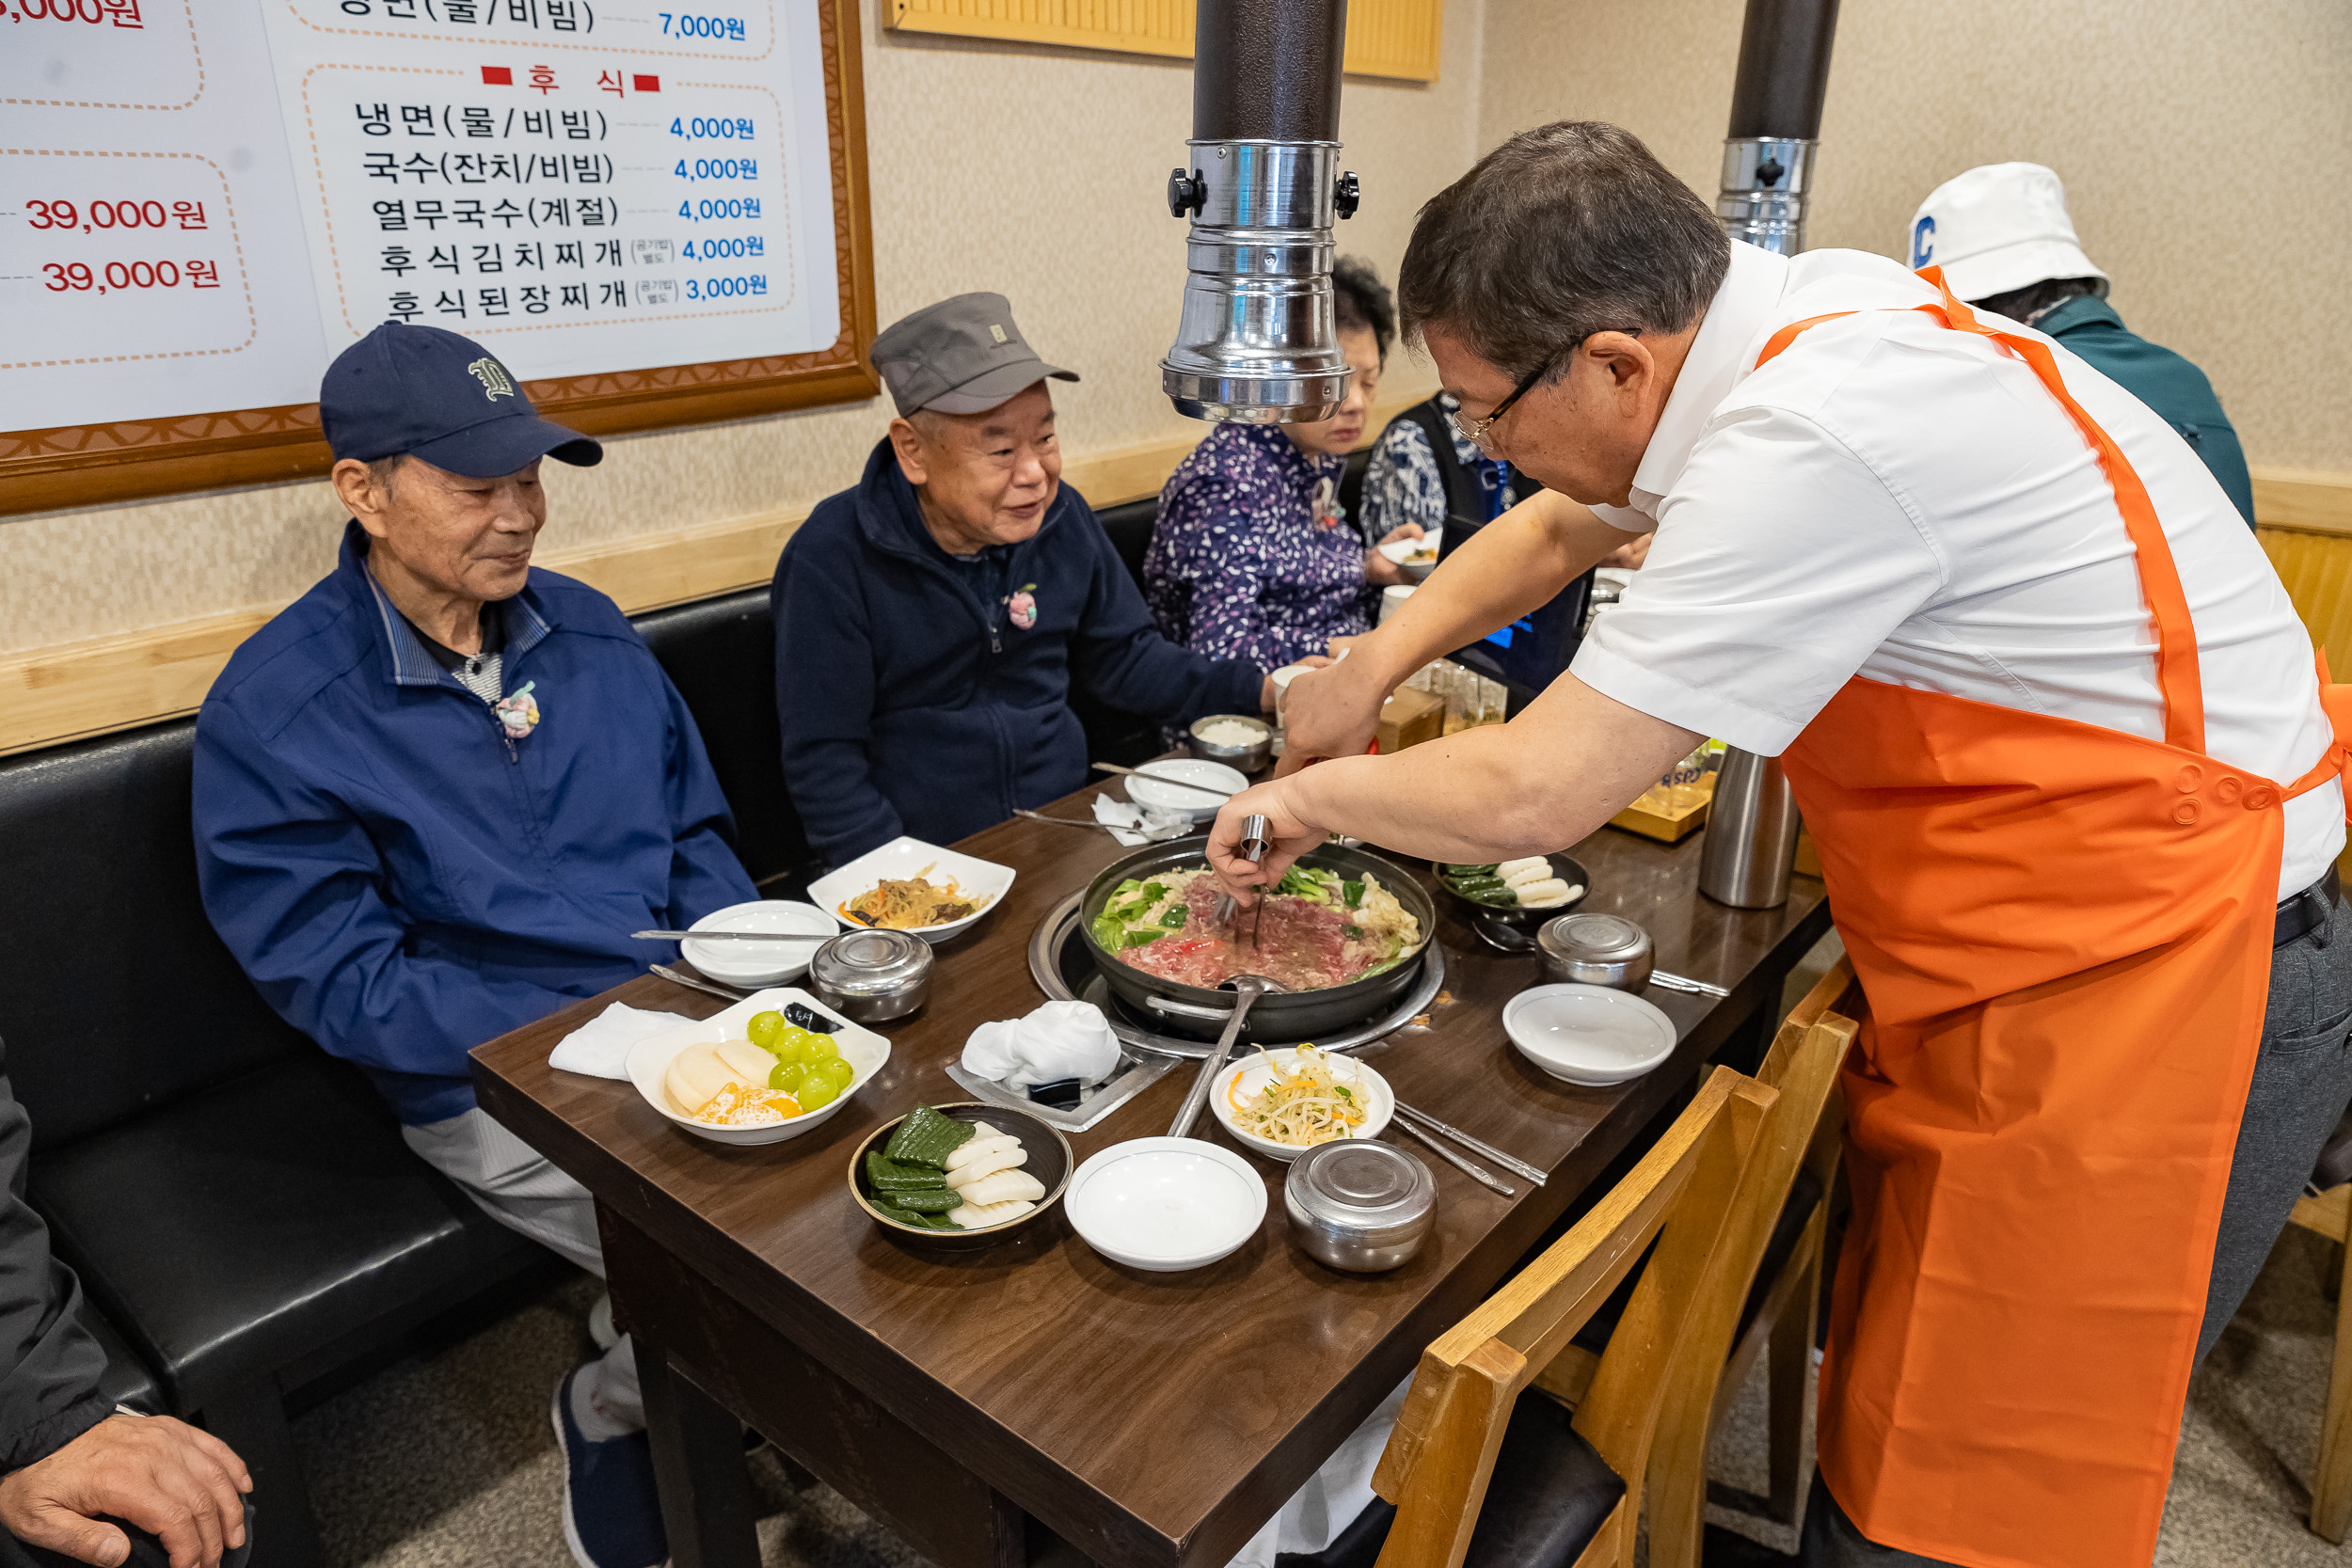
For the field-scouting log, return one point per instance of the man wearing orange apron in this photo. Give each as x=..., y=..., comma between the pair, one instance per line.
x=2055, y=730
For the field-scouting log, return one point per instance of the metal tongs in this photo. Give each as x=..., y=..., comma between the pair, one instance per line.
x=1256, y=839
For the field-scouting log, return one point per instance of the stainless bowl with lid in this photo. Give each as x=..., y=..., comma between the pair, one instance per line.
x=1360, y=1205
x=1596, y=950
x=869, y=975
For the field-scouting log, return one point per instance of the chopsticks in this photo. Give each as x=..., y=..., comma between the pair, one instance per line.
x=1162, y=778
x=723, y=993
x=1420, y=1118
x=727, y=936
x=1477, y=1173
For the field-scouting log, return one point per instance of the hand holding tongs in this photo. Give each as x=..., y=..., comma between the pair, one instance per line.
x=1256, y=839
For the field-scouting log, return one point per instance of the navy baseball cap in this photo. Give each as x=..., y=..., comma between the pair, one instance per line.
x=421, y=392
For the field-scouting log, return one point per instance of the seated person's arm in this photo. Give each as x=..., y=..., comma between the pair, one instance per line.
x=1227, y=571
x=294, y=884
x=1121, y=658
x=825, y=700
x=705, y=871
x=68, y=1458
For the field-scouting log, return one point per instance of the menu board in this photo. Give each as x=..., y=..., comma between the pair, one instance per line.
x=201, y=201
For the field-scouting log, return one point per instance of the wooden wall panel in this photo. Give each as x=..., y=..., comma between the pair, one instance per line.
x=1385, y=37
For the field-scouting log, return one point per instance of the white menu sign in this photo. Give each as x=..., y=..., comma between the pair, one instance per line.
x=224, y=193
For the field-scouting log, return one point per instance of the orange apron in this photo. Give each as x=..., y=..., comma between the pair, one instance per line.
x=2064, y=932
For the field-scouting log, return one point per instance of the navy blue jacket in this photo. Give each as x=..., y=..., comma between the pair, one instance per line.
x=2160, y=378
x=402, y=882
x=913, y=699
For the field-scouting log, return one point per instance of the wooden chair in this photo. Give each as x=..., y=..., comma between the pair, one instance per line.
x=1763, y=1295
x=2330, y=1214
x=1464, y=1426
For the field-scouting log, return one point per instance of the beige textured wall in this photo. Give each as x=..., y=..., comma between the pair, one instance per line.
x=2201, y=142
x=1038, y=173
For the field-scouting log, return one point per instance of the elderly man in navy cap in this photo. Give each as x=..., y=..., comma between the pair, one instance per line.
x=931, y=620
x=434, y=797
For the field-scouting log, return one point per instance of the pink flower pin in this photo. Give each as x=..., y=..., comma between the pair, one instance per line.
x=1023, y=606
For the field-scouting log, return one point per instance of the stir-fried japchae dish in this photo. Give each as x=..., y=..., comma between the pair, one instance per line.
x=908, y=903
x=1314, y=928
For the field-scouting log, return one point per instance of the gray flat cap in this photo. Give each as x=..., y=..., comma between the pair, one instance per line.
x=962, y=356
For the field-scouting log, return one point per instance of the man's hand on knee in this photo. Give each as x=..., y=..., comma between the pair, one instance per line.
x=183, y=1486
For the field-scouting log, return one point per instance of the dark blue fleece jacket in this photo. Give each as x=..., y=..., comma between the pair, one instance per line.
x=922, y=694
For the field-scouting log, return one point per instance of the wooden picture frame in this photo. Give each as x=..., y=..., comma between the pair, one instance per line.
x=43, y=470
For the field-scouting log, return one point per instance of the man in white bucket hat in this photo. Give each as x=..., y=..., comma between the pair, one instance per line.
x=2002, y=235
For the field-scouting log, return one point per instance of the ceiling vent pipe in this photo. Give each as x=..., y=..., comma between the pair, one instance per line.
x=1257, y=342
x=1776, y=122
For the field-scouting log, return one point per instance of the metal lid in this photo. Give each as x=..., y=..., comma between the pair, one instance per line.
x=1365, y=1188
x=871, y=962
x=1593, y=937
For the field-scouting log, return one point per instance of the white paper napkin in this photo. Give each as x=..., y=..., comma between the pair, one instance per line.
x=1060, y=1040
x=599, y=1048
x=1131, y=824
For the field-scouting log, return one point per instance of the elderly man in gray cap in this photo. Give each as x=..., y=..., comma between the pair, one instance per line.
x=930, y=620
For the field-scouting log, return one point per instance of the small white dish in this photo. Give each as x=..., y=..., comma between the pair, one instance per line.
x=1244, y=1079
x=749, y=965
x=1590, y=1036
x=982, y=882
x=1166, y=1204
x=1147, y=791
x=649, y=1061
x=1400, y=551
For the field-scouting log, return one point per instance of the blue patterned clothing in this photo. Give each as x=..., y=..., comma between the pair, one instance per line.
x=1402, y=484
x=1238, y=567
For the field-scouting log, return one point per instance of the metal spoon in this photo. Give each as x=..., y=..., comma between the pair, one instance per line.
x=1247, y=989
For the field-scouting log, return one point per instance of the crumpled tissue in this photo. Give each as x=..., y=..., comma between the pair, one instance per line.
x=1060, y=1040
x=601, y=1047
x=1133, y=824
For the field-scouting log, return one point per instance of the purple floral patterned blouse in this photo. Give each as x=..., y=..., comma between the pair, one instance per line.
x=1238, y=566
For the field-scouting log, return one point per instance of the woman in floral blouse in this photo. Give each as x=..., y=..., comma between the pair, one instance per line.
x=1253, y=556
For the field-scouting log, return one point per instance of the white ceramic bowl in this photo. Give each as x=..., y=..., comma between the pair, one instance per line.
x=1591, y=1035
x=1166, y=1204
x=1147, y=791
x=648, y=1060
x=1414, y=570
x=983, y=882
x=1246, y=1078
x=749, y=965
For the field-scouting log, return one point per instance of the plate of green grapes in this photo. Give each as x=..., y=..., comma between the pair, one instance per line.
x=768, y=1069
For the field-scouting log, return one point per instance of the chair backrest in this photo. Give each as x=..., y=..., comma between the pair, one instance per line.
x=115, y=994
x=1443, y=1449
x=1801, y=1133
x=721, y=655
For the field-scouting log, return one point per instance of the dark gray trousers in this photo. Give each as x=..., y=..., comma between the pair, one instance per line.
x=2301, y=1083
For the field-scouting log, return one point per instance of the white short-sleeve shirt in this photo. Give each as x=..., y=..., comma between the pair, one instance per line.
x=1895, y=499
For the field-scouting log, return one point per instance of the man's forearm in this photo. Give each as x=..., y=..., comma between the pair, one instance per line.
x=1512, y=566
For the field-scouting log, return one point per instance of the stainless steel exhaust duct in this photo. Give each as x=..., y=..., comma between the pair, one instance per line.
x=1256, y=342
x=1776, y=122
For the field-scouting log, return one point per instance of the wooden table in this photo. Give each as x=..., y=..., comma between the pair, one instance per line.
x=982, y=1403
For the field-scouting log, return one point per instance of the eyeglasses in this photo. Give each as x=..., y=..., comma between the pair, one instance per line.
x=1475, y=431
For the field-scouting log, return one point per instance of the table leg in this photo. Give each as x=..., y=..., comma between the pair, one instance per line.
x=698, y=1465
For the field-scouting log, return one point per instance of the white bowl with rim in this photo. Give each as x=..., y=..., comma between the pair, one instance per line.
x=1166, y=1204
x=983, y=882
x=1590, y=1036
x=1244, y=1079
x=749, y=965
x=649, y=1061
x=1399, y=554
x=1148, y=791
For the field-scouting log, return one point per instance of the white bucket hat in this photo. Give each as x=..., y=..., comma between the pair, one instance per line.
x=1999, y=227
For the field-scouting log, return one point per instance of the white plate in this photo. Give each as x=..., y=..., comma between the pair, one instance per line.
x=648, y=1060
x=1591, y=1035
x=1246, y=1078
x=1146, y=792
x=748, y=965
x=1166, y=1204
x=1414, y=570
x=983, y=882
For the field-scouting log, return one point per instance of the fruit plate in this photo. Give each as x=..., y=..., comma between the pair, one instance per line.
x=649, y=1060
